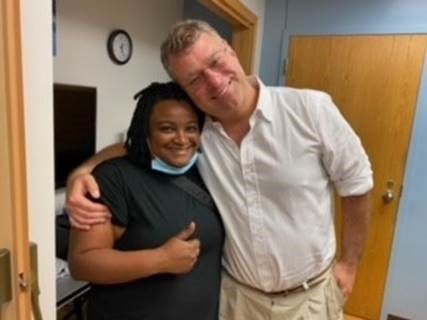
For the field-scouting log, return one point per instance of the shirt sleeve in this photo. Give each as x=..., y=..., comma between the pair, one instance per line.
x=343, y=155
x=113, y=191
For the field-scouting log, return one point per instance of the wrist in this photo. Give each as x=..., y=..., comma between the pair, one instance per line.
x=349, y=263
x=79, y=171
x=162, y=259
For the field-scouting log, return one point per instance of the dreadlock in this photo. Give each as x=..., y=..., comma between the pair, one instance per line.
x=139, y=129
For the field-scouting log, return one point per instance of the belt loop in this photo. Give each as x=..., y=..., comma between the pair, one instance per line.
x=305, y=285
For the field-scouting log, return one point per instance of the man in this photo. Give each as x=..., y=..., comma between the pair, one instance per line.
x=271, y=158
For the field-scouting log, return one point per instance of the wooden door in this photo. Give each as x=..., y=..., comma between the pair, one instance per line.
x=13, y=213
x=374, y=80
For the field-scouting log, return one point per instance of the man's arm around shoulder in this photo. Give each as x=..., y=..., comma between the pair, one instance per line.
x=82, y=211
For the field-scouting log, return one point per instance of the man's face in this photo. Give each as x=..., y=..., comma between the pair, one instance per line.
x=211, y=74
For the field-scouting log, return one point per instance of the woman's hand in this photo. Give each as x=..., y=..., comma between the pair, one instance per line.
x=181, y=251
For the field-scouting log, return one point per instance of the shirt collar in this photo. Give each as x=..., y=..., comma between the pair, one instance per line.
x=263, y=106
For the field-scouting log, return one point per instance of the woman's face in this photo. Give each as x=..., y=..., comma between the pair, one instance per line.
x=174, y=132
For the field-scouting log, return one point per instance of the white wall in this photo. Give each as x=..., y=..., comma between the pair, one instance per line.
x=258, y=8
x=37, y=68
x=82, y=31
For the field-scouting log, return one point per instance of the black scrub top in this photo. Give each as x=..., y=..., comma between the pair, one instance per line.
x=153, y=209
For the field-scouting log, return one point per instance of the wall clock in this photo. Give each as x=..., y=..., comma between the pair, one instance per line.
x=119, y=46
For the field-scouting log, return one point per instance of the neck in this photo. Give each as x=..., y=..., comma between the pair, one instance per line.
x=237, y=127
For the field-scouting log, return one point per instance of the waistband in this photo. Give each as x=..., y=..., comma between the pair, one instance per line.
x=306, y=285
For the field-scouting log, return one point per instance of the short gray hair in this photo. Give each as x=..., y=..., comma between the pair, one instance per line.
x=182, y=36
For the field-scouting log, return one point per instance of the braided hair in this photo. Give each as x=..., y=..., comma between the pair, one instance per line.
x=139, y=129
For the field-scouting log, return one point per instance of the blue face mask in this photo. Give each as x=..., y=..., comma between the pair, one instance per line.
x=159, y=165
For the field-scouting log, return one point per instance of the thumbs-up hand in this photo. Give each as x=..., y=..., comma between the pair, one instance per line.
x=181, y=251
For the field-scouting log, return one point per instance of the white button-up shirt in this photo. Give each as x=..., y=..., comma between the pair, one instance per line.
x=275, y=192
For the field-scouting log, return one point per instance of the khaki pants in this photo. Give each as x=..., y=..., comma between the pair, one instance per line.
x=323, y=301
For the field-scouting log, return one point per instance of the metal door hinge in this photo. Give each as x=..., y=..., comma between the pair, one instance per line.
x=35, y=289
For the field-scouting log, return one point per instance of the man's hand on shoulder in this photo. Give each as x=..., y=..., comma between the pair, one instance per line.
x=82, y=211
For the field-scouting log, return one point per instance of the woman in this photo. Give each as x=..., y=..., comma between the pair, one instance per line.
x=159, y=257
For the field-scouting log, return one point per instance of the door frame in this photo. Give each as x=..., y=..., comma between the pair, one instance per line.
x=14, y=158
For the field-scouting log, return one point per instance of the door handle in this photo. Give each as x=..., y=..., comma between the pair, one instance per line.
x=35, y=288
x=5, y=278
x=388, y=196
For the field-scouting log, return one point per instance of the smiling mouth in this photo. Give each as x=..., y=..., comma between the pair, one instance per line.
x=181, y=151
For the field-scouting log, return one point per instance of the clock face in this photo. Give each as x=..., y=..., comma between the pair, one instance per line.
x=119, y=46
